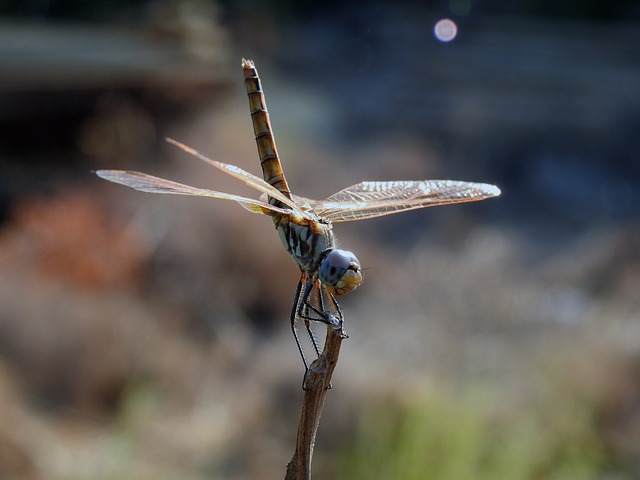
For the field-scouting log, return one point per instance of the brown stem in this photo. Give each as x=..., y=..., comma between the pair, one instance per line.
x=316, y=384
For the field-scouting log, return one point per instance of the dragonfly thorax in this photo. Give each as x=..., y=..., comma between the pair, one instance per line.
x=306, y=240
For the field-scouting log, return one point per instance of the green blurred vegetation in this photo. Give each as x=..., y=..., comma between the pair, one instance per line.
x=477, y=435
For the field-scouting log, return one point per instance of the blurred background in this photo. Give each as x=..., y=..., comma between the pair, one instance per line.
x=147, y=337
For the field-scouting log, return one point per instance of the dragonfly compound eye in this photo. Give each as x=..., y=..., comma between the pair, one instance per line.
x=340, y=272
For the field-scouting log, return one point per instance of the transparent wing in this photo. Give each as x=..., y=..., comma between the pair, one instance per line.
x=246, y=177
x=148, y=183
x=375, y=199
x=305, y=202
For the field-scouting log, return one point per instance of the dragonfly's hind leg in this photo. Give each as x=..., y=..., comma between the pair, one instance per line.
x=294, y=315
x=303, y=312
x=312, y=337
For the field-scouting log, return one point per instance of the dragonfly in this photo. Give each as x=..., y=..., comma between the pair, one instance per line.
x=304, y=225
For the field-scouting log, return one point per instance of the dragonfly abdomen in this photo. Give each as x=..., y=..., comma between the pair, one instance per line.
x=269, y=160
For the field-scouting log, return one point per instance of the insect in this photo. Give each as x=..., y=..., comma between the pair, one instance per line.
x=304, y=225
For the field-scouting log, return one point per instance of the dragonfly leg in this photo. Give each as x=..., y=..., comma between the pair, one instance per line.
x=312, y=337
x=307, y=318
x=338, y=310
x=294, y=315
x=322, y=315
x=298, y=311
x=332, y=317
x=313, y=303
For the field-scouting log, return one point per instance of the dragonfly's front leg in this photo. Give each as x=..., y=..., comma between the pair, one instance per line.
x=332, y=316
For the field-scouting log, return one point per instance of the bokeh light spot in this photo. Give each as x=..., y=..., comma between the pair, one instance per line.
x=445, y=30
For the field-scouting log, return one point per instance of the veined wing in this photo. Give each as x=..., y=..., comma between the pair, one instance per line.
x=305, y=202
x=246, y=177
x=148, y=183
x=375, y=199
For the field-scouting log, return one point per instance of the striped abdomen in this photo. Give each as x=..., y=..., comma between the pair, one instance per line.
x=271, y=167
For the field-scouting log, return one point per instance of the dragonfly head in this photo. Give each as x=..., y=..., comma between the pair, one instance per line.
x=340, y=272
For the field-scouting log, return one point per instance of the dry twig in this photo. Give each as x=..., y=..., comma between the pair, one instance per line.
x=316, y=384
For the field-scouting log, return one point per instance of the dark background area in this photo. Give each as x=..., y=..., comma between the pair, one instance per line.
x=144, y=336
